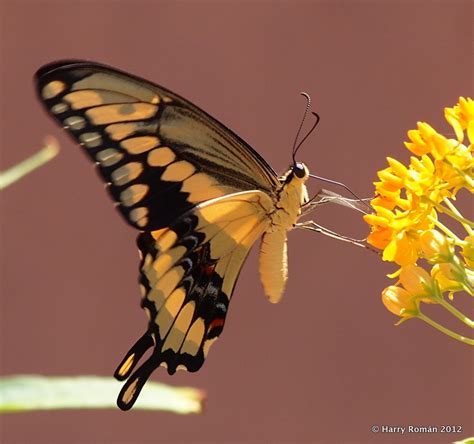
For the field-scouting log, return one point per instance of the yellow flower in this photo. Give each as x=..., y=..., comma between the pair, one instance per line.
x=460, y=116
x=379, y=237
x=407, y=198
x=406, y=224
x=419, y=144
x=403, y=249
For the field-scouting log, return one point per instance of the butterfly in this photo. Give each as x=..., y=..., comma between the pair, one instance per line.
x=198, y=195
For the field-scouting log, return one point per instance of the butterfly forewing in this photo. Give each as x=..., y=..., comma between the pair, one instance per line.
x=159, y=154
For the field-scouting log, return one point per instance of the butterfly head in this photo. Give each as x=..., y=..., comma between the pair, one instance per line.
x=300, y=171
x=297, y=174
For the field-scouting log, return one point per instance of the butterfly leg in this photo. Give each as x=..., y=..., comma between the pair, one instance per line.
x=313, y=226
x=325, y=196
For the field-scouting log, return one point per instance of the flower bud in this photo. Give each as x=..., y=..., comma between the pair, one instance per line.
x=416, y=281
x=435, y=246
x=448, y=277
x=468, y=251
x=399, y=302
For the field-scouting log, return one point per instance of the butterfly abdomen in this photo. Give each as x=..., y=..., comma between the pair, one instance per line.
x=273, y=260
x=273, y=264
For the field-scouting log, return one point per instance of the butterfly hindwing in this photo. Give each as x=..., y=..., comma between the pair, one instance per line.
x=187, y=273
x=159, y=154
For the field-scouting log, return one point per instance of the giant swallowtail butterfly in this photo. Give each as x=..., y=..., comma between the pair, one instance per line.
x=198, y=195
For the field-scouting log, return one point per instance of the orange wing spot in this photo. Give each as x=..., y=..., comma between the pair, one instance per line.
x=218, y=322
x=52, y=89
x=208, y=270
x=105, y=114
x=126, y=365
x=158, y=233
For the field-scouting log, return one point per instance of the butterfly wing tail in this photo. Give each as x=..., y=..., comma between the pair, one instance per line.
x=130, y=360
x=132, y=388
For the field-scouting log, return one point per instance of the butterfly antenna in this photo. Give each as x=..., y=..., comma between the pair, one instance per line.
x=295, y=143
x=340, y=184
x=315, y=124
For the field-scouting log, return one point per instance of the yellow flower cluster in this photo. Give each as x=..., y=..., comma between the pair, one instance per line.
x=406, y=225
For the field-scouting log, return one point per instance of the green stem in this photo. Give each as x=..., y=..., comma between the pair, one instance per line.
x=26, y=166
x=442, y=209
x=466, y=176
x=455, y=312
x=456, y=211
x=446, y=230
x=444, y=330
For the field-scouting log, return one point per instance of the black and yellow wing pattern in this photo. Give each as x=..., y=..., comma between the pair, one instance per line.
x=198, y=194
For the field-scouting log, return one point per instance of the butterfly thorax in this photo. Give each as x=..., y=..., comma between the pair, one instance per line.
x=273, y=251
x=290, y=197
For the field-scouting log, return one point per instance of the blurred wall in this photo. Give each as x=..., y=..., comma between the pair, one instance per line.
x=326, y=363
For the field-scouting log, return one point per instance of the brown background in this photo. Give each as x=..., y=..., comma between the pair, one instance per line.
x=326, y=363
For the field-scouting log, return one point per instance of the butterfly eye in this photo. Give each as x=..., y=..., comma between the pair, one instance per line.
x=299, y=170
